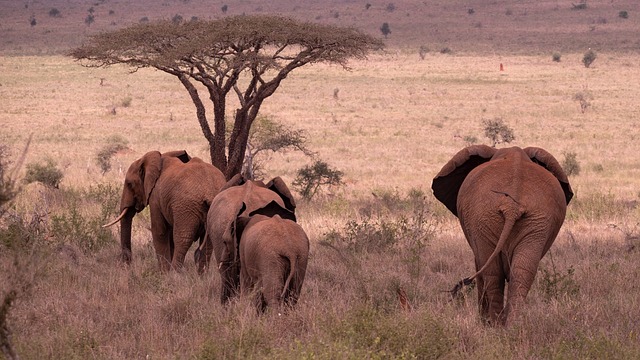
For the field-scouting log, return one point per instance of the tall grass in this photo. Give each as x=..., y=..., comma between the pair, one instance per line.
x=79, y=302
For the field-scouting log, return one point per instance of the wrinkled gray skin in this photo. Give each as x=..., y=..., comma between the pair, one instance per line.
x=178, y=190
x=220, y=240
x=511, y=204
x=274, y=251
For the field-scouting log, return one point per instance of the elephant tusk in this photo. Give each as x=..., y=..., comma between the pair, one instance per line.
x=220, y=265
x=117, y=219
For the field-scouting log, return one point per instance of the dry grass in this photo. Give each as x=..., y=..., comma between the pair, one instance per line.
x=397, y=119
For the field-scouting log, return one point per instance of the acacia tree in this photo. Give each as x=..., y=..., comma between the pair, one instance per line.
x=248, y=56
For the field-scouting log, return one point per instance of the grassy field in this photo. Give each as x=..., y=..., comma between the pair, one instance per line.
x=396, y=119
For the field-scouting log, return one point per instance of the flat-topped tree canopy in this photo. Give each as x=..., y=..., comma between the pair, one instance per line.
x=263, y=49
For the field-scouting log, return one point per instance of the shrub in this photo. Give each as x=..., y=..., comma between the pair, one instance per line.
x=390, y=7
x=589, y=57
x=45, y=172
x=311, y=178
x=623, y=14
x=497, y=131
x=55, y=13
x=446, y=50
x=126, y=102
x=570, y=164
x=579, y=6
x=114, y=144
x=267, y=136
x=84, y=229
x=423, y=51
x=556, y=57
x=224, y=8
x=389, y=222
x=177, y=19
x=90, y=19
x=583, y=97
x=556, y=285
x=385, y=29
x=470, y=140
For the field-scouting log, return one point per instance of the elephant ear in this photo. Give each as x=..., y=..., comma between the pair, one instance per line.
x=278, y=186
x=447, y=183
x=236, y=180
x=150, y=172
x=547, y=161
x=180, y=154
x=272, y=209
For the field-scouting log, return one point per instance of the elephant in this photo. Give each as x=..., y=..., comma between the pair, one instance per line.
x=222, y=215
x=511, y=203
x=274, y=251
x=179, y=190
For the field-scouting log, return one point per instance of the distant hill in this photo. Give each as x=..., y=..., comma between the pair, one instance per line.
x=478, y=27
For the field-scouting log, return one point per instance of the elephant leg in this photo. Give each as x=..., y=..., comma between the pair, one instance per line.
x=182, y=240
x=491, y=297
x=273, y=285
x=230, y=282
x=162, y=243
x=291, y=297
x=524, y=265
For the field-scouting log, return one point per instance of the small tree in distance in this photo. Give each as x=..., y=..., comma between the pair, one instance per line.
x=498, y=131
x=248, y=56
x=268, y=136
x=310, y=178
x=385, y=29
x=589, y=57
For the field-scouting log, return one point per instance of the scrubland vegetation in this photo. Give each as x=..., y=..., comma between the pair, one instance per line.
x=388, y=126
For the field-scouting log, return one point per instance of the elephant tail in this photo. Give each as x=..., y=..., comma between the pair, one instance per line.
x=510, y=217
x=293, y=261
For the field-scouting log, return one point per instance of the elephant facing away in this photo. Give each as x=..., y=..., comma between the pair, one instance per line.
x=511, y=204
x=274, y=251
x=219, y=239
x=178, y=190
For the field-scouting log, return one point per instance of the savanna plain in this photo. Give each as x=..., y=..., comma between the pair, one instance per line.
x=389, y=125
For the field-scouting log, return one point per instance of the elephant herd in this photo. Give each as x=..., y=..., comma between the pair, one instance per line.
x=510, y=202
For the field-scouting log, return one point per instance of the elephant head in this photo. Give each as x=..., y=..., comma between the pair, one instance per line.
x=511, y=204
x=139, y=182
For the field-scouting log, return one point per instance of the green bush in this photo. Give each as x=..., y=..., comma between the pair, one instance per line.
x=556, y=285
x=556, y=57
x=84, y=228
x=570, y=164
x=55, y=13
x=311, y=178
x=113, y=144
x=589, y=57
x=391, y=222
x=623, y=14
x=497, y=131
x=45, y=172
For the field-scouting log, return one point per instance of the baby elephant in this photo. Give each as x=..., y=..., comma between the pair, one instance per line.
x=273, y=252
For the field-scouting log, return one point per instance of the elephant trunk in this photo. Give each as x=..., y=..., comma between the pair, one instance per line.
x=125, y=234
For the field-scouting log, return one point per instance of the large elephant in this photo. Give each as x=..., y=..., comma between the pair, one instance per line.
x=223, y=212
x=274, y=251
x=179, y=190
x=511, y=204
